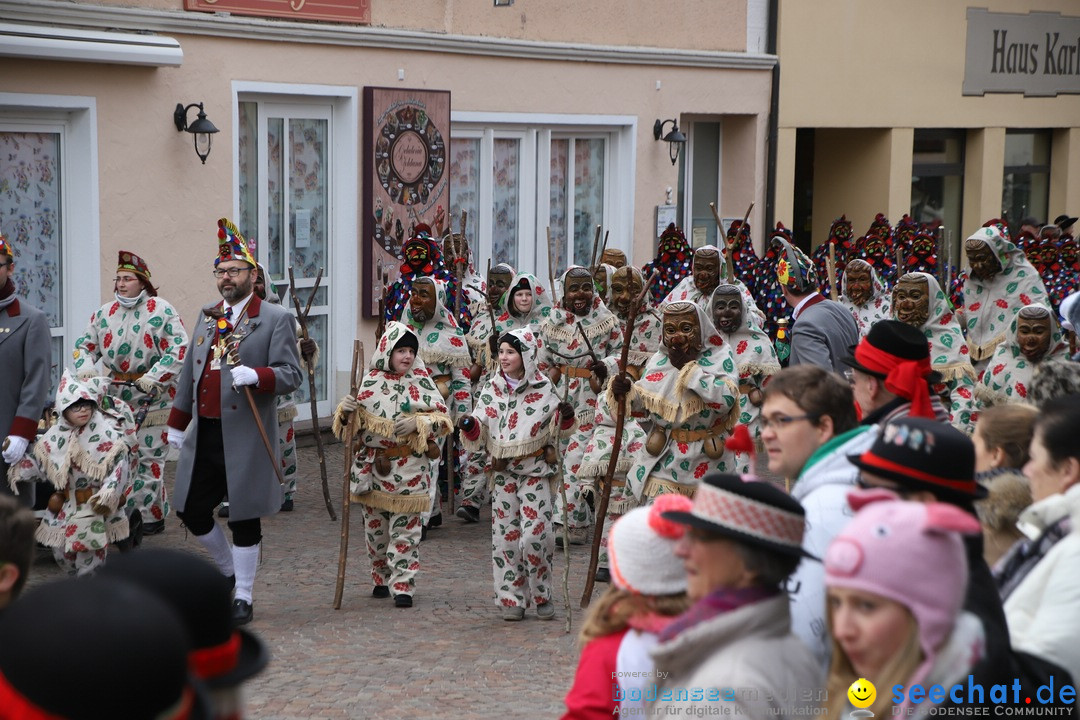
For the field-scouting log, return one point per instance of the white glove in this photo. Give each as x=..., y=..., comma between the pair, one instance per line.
x=243, y=375
x=404, y=426
x=348, y=404
x=175, y=437
x=15, y=449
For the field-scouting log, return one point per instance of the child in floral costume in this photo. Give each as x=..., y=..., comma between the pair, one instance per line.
x=565, y=357
x=139, y=338
x=397, y=415
x=999, y=283
x=88, y=456
x=863, y=293
x=755, y=362
x=917, y=300
x=1033, y=338
x=515, y=423
x=690, y=390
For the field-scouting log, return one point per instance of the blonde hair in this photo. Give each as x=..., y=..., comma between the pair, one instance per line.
x=611, y=612
x=897, y=671
x=1009, y=427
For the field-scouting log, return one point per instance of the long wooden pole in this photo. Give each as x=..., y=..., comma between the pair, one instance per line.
x=616, y=446
x=234, y=359
x=343, y=547
x=830, y=268
x=551, y=267
x=301, y=318
x=556, y=442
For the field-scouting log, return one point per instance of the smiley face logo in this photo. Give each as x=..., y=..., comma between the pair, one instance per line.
x=862, y=693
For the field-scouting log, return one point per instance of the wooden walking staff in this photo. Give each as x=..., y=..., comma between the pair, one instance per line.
x=551, y=267
x=556, y=442
x=343, y=548
x=459, y=274
x=233, y=358
x=830, y=268
x=301, y=318
x=616, y=446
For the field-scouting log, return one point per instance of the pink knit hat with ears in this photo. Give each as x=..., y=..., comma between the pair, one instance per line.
x=909, y=552
x=641, y=548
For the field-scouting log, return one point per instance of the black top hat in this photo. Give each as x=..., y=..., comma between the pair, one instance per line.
x=221, y=656
x=897, y=339
x=1064, y=221
x=748, y=510
x=924, y=454
x=62, y=641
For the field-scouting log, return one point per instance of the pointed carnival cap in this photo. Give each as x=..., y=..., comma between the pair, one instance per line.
x=794, y=268
x=231, y=244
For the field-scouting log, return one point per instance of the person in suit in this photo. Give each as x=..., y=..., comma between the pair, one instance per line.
x=243, y=346
x=822, y=330
x=25, y=357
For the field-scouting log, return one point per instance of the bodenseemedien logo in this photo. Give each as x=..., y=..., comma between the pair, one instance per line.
x=862, y=695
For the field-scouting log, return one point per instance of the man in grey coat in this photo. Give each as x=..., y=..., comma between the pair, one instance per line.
x=822, y=331
x=243, y=346
x=24, y=357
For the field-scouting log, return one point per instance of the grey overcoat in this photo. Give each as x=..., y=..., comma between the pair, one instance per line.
x=268, y=347
x=25, y=349
x=823, y=335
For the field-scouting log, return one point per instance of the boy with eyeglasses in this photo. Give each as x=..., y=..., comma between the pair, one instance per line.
x=808, y=427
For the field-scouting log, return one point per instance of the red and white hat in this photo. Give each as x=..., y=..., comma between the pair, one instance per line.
x=749, y=510
x=641, y=548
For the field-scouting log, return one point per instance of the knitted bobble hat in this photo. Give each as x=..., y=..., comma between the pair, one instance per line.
x=641, y=549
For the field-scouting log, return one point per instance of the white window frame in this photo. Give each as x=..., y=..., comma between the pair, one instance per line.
x=75, y=118
x=620, y=164
x=343, y=263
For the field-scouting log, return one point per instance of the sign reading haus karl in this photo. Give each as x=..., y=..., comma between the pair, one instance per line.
x=346, y=11
x=1036, y=54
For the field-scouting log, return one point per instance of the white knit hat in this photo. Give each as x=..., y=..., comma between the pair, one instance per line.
x=641, y=549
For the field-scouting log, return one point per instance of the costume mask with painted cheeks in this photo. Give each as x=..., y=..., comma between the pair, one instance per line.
x=682, y=333
x=418, y=255
x=422, y=300
x=984, y=265
x=706, y=269
x=498, y=280
x=1033, y=330
x=578, y=291
x=858, y=282
x=911, y=300
x=727, y=309
x=625, y=287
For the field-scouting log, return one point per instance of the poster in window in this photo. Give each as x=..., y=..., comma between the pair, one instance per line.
x=406, y=140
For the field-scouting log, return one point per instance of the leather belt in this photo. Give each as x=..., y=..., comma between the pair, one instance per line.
x=127, y=377
x=687, y=436
x=398, y=451
x=575, y=372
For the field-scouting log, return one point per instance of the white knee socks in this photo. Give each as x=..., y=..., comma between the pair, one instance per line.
x=217, y=545
x=245, y=560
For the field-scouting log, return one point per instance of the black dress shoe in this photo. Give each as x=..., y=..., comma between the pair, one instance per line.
x=403, y=600
x=287, y=506
x=242, y=612
x=602, y=575
x=223, y=511
x=153, y=528
x=380, y=591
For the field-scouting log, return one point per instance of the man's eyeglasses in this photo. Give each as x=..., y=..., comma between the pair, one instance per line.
x=782, y=421
x=231, y=272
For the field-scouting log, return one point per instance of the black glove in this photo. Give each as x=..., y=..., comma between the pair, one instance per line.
x=620, y=385
x=599, y=369
x=493, y=345
x=566, y=411
x=307, y=349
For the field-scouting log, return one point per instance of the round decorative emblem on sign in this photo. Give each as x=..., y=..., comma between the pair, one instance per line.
x=410, y=156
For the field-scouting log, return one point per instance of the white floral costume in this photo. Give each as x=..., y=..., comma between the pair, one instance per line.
x=949, y=356
x=686, y=291
x=992, y=305
x=691, y=406
x=514, y=425
x=1008, y=375
x=755, y=363
x=92, y=467
x=878, y=307
x=559, y=334
x=147, y=340
x=446, y=356
x=393, y=503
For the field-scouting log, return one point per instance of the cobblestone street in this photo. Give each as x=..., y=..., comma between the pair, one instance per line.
x=450, y=656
